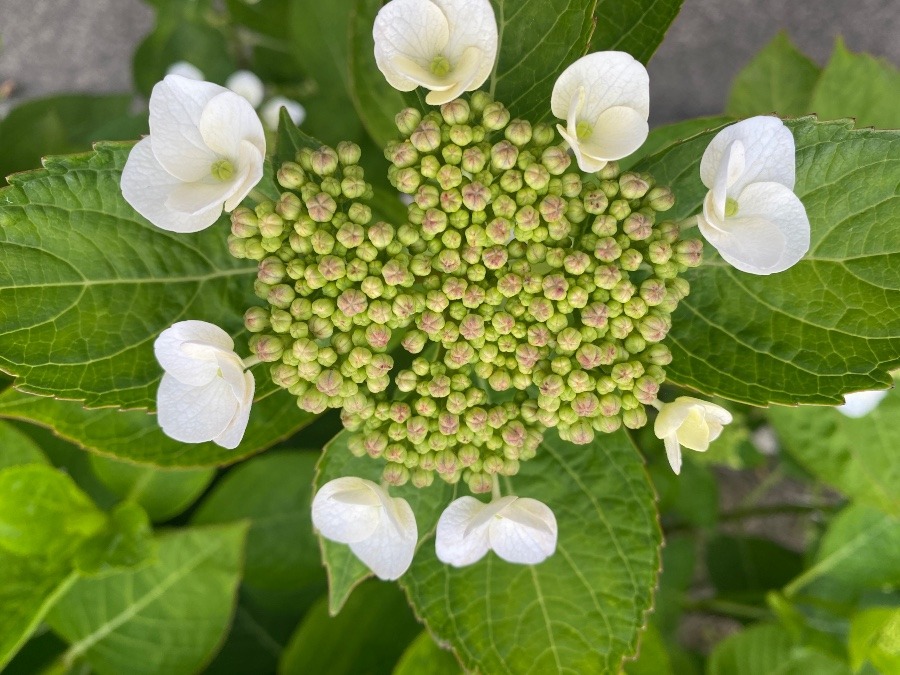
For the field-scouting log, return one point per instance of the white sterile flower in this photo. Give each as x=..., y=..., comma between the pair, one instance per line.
x=751, y=214
x=518, y=529
x=272, y=109
x=248, y=85
x=447, y=46
x=861, y=403
x=690, y=422
x=185, y=69
x=205, y=395
x=605, y=100
x=205, y=151
x=380, y=529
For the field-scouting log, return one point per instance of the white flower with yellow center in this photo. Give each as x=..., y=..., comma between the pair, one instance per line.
x=689, y=422
x=518, y=529
x=447, y=46
x=380, y=529
x=751, y=215
x=204, y=395
x=605, y=100
x=204, y=153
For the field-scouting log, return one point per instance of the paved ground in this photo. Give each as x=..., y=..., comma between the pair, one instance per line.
x=86, y=45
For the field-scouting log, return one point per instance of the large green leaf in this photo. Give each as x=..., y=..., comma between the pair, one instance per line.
x=860, y=86
x=345, y=571
x=779, y=79
x=86, y=284
x=162, y=493
x=30, y=587
x=165, y=618
x=17, y=448
x=61, y=124
x=857, y=456
x=830, y=324
x=273, y=493
x=634, y=26
x=582, y=609
x=538, y=39
x=874, y=638
x=424, y=656
x=768, y=649
x=368, y=636
x=135, y=436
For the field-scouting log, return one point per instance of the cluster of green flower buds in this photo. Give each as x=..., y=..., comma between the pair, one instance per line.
x=530, y=295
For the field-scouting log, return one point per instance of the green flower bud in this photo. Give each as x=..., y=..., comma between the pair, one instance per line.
x=619, y=209
x=495, y=116
x=689, y=252
x=321, y=207
x=518, y=132
x=455, y=112
x=244, y=223
x=256, y=319
x=324, y=161
x=407, y=120
x=634, y=418
x=503, y=156
x=348, y=153
x=426, y=137
x=271, y=225
x=556, y=160
x=395, y=474
x=637, y=226
x=654, y=327
x=660, y=199
x=268, y=348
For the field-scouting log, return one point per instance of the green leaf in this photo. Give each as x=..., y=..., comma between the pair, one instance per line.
x=18, y=448
x=581, y=610
x=185, y=31
x=768, y=649
x=857, y=456
x=779, y=79
x=135, y=436
x=87, y=284
x=692, y=496
x=345, y=571
x=42, y=511
x=162, y=493
x=368, y=636
x=125, y=542
x=273, y=493
x=830, y=324
x=30, y=587
x=64, y=124
x=289, y=139
x=678, y=562
x=860, y=551
x=653, y=657
x=669, y=134
x=634, y=26
x=860, y=86
x=425, y=657
x=538, y=39
x=168, y=617
x=747, y=567
x=875, y=637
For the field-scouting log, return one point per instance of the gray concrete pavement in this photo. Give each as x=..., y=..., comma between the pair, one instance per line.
x=85, y=45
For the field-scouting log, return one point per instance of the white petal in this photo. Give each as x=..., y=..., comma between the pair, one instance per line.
x=861, y=403
x=466, y=73
x=234, y=432
x=524, y=532
x=769, y=153
x=472, y=24
x=247, y=84
x=414, y=29
x=227, y=121
x=195, y=414
x=389, y=550
x=347, y=509
x=769, y=233
x=609, y=79
x=147, y=186
x=272, y=109
x=176, y=105
x=673, y=452
x=694, y=433
x=185, y=69
x=618, y=132
x=671, y=417
x=455, y=543
x=198, y=196
x=196, y=365
x=730, y=170
x=249, y=172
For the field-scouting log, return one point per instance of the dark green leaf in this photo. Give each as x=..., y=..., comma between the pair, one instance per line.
x=747, y=567
x=135, y=436
x=779, y=79
x=425, y=657
x=859, y=86
x=653, y=658
x=164, y=618
x=831, y=323
x=368, y=636
x=123, y=543
x=18, y=448
x=633, y=26
x=289, y=139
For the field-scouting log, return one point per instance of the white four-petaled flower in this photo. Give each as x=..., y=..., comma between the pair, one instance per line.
x=605, y=100
x=751, y=214
x=205, y=151
x=380, y=529
x=447, y=46
x=861, y=403
x=690, y=422
x=518, y=529
x=204, y=395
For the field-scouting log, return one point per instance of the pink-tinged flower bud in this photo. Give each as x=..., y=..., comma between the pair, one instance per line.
x=495, y=116
x=689, y=253
x=638, y=226
x=324, y=161
x=329, y=382
x=407, y=120
x=504, y=155
x=654, y=327
x=536, y=176
x=451, y=201
x=634, y=418
x=632, y=186
x=426, y=137
x=321, y=207
x=395, y=474
x=659, y=355
x=256, y=319
x=539, y=336
x=313, y=402
x=596, y=315
x=660, y=199
x=480, y=483
x=556, y=160
x=555, y=286
x=659, y=252
x=378, y=337
x=607, y=250
x=604, y=226
x=568, y=340
x=619, y=209
x=553, y=208
x=518, y=132
x=607, y=276
x=495, y=257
